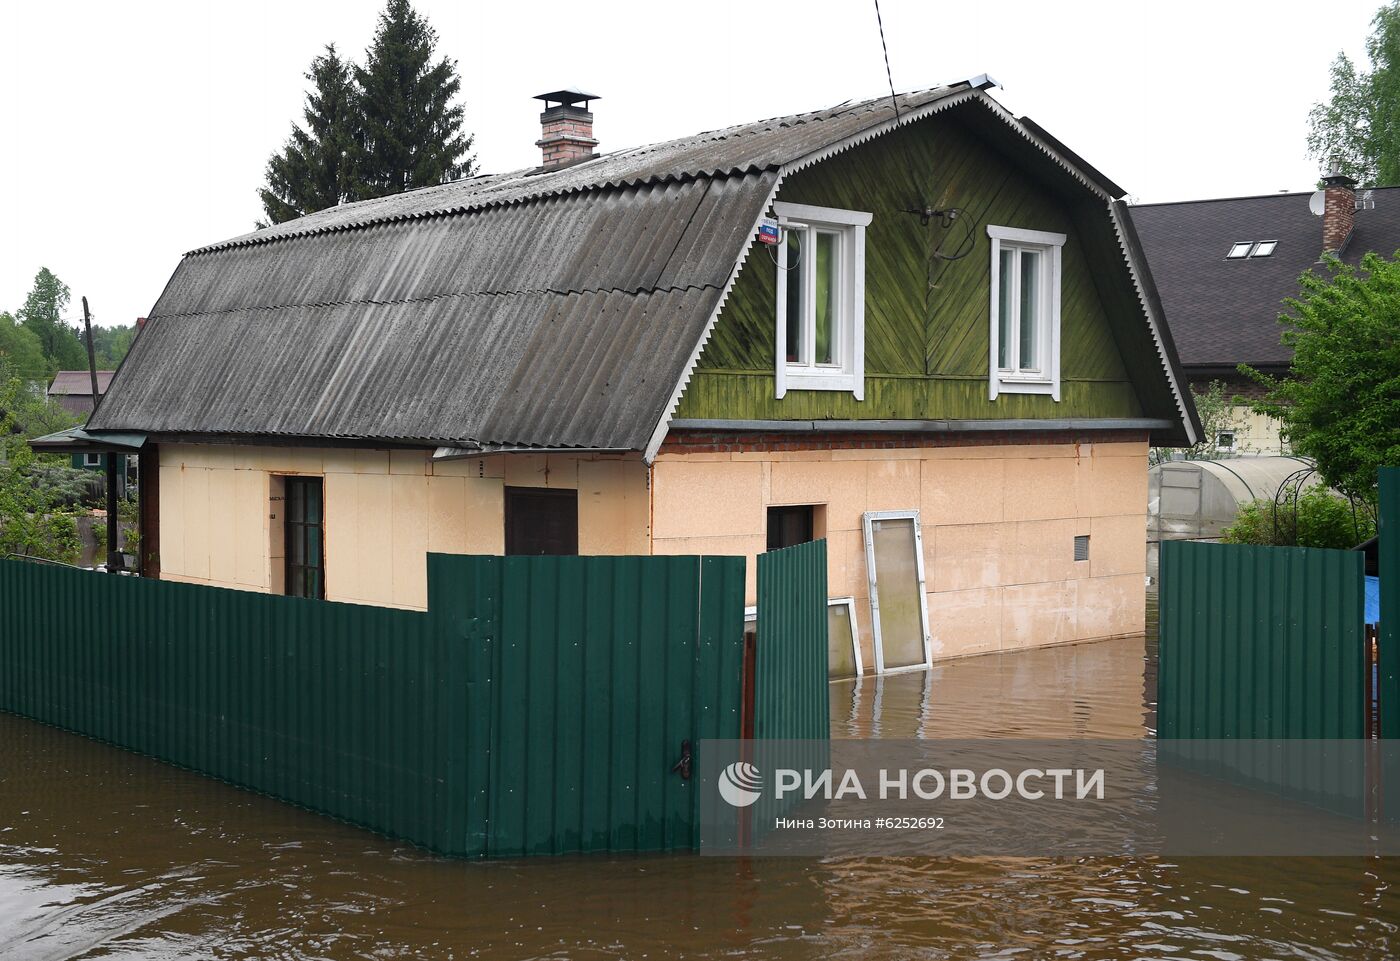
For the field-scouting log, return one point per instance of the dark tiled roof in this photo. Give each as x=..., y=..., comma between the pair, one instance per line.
x=1225, y=312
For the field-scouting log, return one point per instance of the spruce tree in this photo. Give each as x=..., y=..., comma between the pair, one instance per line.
x=409, y=132
x=311, y=172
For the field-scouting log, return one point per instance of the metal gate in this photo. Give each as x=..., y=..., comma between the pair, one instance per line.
x=1270, y=642
x=601, y=676
x=1261, y=642
x=791, y=697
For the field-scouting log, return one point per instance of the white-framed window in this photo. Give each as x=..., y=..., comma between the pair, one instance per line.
x=1025, y=318
x=92, y=460
x=821, y=299
x=1225, y=440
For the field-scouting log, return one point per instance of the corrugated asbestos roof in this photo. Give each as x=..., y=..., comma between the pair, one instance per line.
x=553, y=309
x=746, y=148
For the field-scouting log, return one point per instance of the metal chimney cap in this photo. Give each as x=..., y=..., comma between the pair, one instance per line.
x=568, y=96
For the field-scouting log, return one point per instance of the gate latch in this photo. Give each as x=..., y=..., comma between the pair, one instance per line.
x=682, y=767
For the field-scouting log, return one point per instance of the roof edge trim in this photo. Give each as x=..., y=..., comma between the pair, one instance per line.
x=658, y=434
x=1146, y=290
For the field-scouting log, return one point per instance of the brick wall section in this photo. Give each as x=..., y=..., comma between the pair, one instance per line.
x=1235, y=386
x=704, y=442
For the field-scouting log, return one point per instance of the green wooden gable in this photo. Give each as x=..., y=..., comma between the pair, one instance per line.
x=926, y=319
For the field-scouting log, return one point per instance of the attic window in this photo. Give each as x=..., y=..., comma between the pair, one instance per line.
x=821, y=299
x=1264, y=248
x=1240, y=250
x=1025, y=316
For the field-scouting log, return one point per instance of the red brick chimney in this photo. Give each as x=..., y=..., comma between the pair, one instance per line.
x=566, y=128
x=1339, y=210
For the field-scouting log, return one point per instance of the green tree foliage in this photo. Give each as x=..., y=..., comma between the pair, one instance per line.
x=409, y=132
x=312, y=171
x=1314, y=518
x=1340, y=403
x=110, y=344
x=38, y=495
x=389, y=126
x=1358, y=127
x=22, y=350
x=42, y=315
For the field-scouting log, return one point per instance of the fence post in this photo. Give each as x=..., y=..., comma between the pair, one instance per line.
x=1389, y=634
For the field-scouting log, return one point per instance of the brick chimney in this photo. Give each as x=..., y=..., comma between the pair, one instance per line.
x=1339, y=210
x=566, y=134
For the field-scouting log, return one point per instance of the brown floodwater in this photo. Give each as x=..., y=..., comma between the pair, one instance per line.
x=104, y=854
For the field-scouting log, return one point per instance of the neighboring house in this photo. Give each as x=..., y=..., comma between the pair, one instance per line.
x=1224, y=267
x=72, y=390
x=600, y=356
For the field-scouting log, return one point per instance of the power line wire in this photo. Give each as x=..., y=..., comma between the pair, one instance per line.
x=894, y=102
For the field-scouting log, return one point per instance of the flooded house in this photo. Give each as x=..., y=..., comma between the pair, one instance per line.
x=918, y=327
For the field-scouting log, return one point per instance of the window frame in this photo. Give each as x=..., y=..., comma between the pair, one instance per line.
x=849, y=603
x=91, y=460
x=1257, y=251
x=1011, y=380
x=297, y=528
x=848, y=332
x=777, y=511
x=872, y=575
x=523, y=503
x=1248, y=246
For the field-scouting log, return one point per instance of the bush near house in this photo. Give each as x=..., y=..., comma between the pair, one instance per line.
x=1320, y=519
x=39, y=496
x=1340, y=403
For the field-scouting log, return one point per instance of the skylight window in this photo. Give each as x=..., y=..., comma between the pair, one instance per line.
x=1240, y=250
x=1264, y=248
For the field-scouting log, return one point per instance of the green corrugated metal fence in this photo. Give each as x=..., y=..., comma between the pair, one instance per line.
x=1260, y=642
x=537, y=707
x=791, y=697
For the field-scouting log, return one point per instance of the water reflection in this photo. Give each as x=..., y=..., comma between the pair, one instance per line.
x=1085, y=690
x=105, y=854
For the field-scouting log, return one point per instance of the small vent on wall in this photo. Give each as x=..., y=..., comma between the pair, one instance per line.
x=1081, y=547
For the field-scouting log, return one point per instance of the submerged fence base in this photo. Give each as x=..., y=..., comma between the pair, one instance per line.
x=539, y=706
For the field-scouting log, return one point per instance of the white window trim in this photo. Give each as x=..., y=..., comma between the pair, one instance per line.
x=852, y=224
x=1007, y=382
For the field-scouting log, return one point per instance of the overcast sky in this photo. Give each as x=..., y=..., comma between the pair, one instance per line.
x=131, y=132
